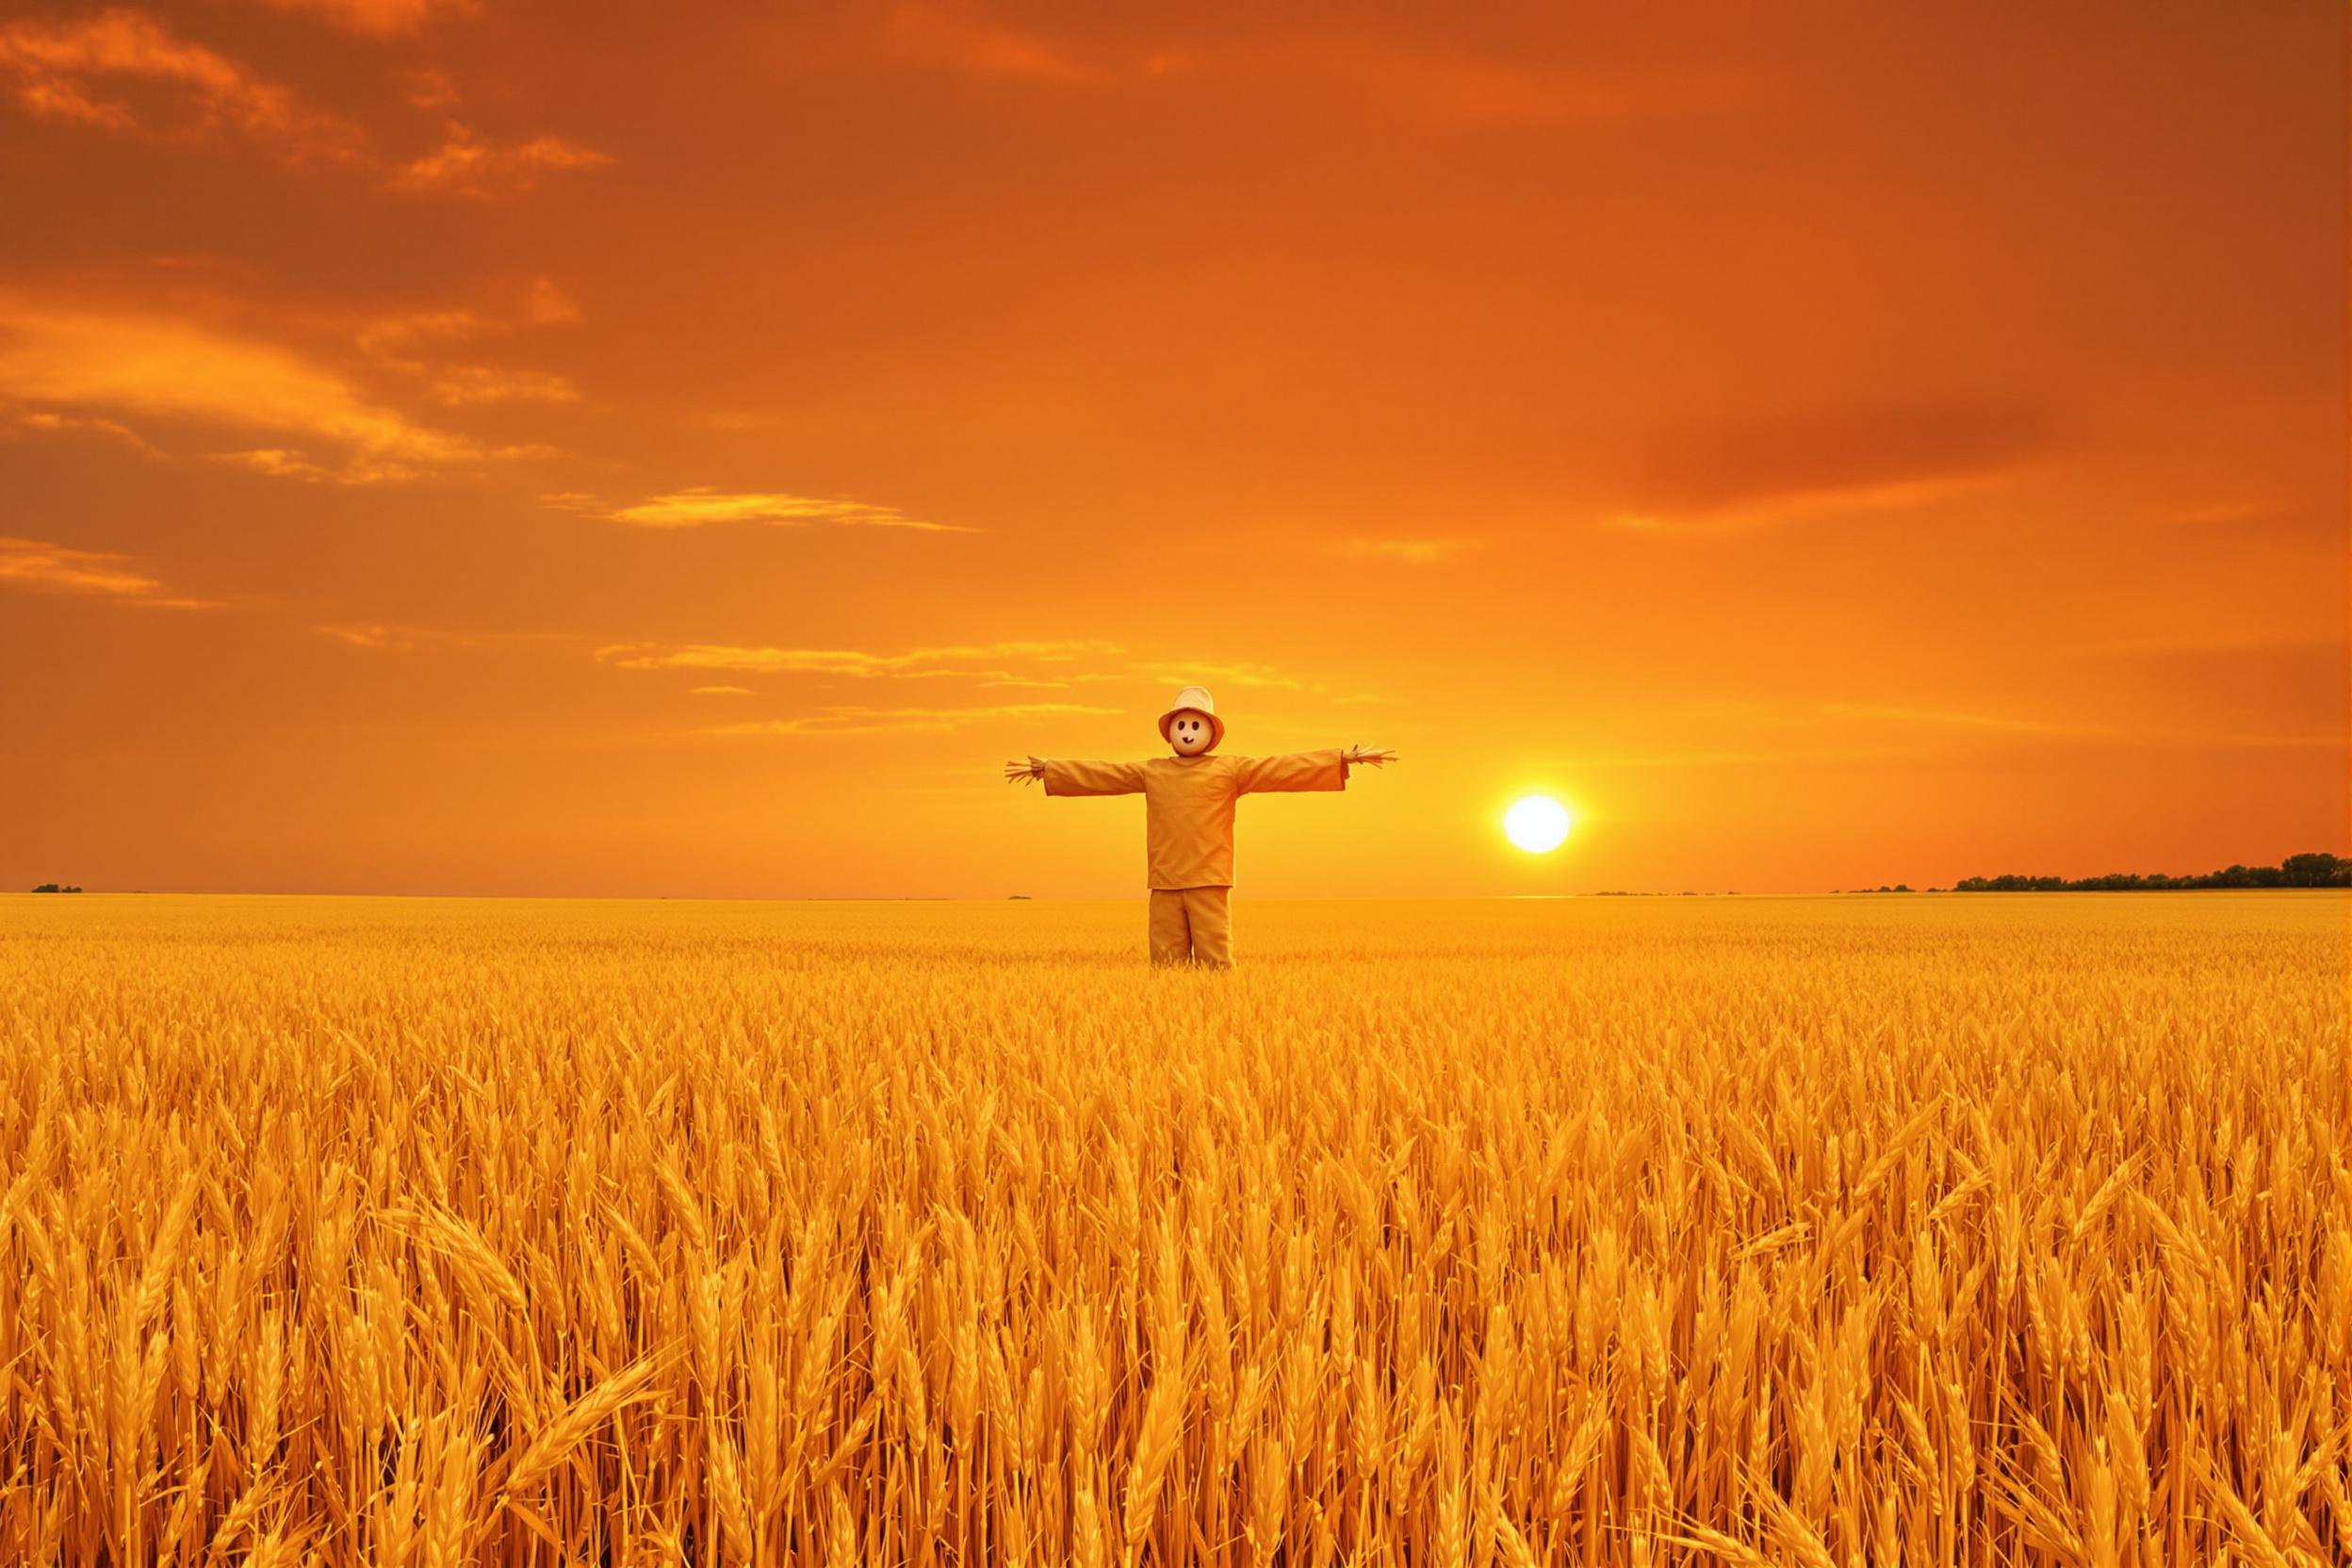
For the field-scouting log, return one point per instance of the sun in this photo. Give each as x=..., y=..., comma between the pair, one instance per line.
x=1537, y=824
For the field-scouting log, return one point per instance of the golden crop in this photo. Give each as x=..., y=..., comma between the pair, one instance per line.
x=1955, y=1229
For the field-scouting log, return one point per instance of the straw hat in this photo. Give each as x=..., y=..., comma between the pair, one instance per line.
x=1196, y=699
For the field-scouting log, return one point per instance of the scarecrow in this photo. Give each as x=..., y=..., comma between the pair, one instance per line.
x=1188, y=816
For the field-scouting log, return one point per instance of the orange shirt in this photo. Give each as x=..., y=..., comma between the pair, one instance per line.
x=1188, y=803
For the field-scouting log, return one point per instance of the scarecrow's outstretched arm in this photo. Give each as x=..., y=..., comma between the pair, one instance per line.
x=1307, y=770
x=1301, y=770
x=1066, y=777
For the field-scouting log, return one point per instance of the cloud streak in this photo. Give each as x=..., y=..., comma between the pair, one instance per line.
x=1422, y=74
x=857, y=663
x=844, y=721
x=965, y=38
x=55, y=424
x=1264, y=676
x=465, y=165
x=1972, y=727
x=1412, y=552
x=1739, y=477
x=41, y=567
x=406, y=343
x=387, y=337
x=2001, y=723
x=67, y=69
x=2077, y=732
x=391, y=638
x=377, y=17
x=135, y=366
x=461, y=385
x=79, y=71
x=701, y=506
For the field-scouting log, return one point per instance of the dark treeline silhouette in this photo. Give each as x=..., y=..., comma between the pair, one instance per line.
x=56, y=888
x=2296, y=871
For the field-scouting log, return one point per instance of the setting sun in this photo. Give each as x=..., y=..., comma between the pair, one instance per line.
x=1537, y=824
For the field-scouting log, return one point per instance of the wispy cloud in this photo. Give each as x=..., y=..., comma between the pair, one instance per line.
x=2262, y=640
x=371, y=635
x=720, y=691
x=48, y=424
x=947, y=659
x=1421, y=74
x=377, y=17
x=68, y=70
x=702, y=507
x=1952, y=719
x=543, y=303
x=1060, y=681
x=389, y=637
x=2064, y=731
x=1231, y=674
x=465, y=165
x=428, y=87
x=1670, y=759
x=462, y=384
x=884, y=720
x=131, y=367
x=44, y=568
x=1414, y=552
x=278, y=463
x=2317, y=741
x=386, y=335
x=81, y=70
x=1738, y=477
x=409, y=343
x=2219, y=513
x=1893, y=495
x=961, y=36
x=546, y=305
x=1427, y=77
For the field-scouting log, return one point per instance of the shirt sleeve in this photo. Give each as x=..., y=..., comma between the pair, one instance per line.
x=1066, y=777
x=1301, y=770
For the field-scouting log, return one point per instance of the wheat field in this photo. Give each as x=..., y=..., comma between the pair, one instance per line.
x=1821, y=1232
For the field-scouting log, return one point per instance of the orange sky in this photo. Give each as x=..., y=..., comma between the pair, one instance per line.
x=573, y=449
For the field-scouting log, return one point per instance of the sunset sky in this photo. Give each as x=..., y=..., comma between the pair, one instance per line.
x=592, y=448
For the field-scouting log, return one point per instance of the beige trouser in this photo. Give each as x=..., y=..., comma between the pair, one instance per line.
x=1192, y=925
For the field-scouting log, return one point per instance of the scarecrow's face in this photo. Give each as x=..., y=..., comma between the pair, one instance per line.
x=1190, y=733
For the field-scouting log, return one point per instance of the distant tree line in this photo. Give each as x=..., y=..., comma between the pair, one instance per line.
x=56, y=888
x=2296, y=871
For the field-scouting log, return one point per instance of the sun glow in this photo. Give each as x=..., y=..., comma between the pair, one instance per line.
x=1537, y=824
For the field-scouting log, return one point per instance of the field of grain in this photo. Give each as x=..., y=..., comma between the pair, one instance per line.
x=1952, y=1230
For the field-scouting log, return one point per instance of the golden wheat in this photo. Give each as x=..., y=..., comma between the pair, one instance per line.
x=1959, y=1229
